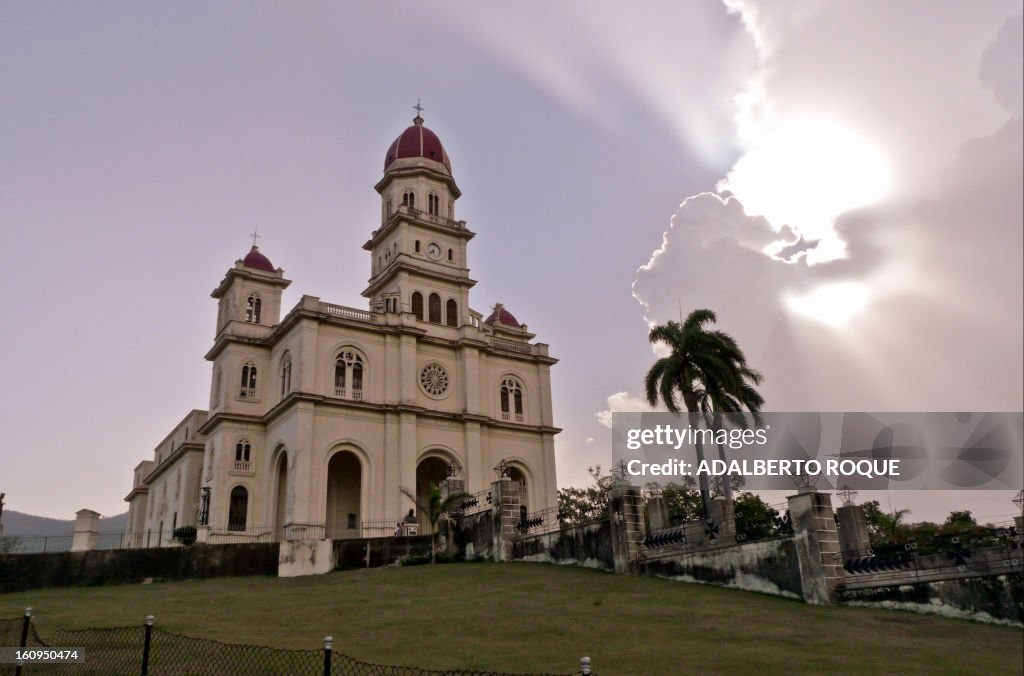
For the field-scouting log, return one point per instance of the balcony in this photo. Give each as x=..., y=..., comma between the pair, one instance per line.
x=247, y=393
x=424, y=217
x=355, y=395
x=347, y=313
x=512, y=346
x=243, y=466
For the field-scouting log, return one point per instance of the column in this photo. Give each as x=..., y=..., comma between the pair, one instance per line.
x=505, y=514
x=627, y=524
x=87, y=527
x=817, y=545
x=853, y=530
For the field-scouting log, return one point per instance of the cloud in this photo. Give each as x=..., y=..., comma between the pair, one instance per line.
x=923, y=308
x=621, y=401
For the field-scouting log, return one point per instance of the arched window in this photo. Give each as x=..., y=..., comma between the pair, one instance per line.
x=252, y=309
x=451, y=312
x=348, y=375
x=409, y=199
x=417, y=304
x=434, y=308
x=511, y=399
x=243, y=455
x=248, y=390
x=286, y=375
x=433, y=204
x=238, y=508
x=451, y=255
x=389, y=208
x=417, y=246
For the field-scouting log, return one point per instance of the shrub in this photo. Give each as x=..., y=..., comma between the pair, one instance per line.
x=186, y=535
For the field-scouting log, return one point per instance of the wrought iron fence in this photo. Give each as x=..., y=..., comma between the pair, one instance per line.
x=378, y=527
x=541, y=521
x=478, y=502
x=145, y=649
x=705, y=533
x=970, y=550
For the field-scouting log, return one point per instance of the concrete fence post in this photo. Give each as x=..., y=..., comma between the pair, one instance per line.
x=817, y=545
x=657, y=511
x=724, y=517
x=87, y=527
x=853, y=529
x=1019, y=522
x=625, y=508
x=505, y=515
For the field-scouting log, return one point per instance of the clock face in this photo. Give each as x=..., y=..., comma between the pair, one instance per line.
x=433, y=250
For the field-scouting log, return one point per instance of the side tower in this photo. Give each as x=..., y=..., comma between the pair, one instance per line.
x=418, y=261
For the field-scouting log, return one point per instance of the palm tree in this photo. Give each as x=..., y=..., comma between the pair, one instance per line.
x=437, y=505
x=709, y=372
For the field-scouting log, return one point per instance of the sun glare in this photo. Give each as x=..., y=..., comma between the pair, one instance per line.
x=804, y=172
x=832, y=304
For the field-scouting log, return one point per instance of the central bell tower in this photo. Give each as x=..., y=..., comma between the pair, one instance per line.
x=418, y=255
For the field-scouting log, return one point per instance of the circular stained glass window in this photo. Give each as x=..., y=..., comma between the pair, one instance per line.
x=434, y=379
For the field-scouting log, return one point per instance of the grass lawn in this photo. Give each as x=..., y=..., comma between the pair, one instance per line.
x=532, y=617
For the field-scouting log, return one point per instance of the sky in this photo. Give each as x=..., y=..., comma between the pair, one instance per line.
x=840, y=182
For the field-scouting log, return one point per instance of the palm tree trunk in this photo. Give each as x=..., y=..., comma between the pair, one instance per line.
x=705, y=486
x=702, y=480
x=727, y=479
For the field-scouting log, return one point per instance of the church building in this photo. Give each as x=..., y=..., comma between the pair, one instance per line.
x=321, y=420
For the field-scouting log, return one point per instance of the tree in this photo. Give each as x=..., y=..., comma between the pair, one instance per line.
x=960, y=519
x=581, y=505
x=884, y=527
x=708, y=371
x=437, y=505
x=755, y=520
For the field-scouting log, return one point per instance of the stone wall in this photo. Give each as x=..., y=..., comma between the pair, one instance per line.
x=768, y=566
x=988, y=599
x=473, y=537
x=352, y=553
x=589, y=545
x=20, y=572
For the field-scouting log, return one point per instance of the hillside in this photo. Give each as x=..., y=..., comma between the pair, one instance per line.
x=23, y=525
x=529, y=617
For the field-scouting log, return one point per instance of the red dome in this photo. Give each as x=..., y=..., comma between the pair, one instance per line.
x=417, y=141
x=254, y=259
x=500, y=313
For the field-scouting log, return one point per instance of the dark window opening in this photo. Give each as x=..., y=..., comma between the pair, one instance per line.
x=435, y=308
x=417, y=305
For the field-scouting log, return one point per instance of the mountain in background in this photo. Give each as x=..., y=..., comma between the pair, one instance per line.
x=22, y=525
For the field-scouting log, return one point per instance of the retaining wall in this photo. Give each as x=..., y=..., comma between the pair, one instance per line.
x=20, y=572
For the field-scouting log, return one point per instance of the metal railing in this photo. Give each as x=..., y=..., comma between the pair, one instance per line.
x=540, y=522
x=478, y=502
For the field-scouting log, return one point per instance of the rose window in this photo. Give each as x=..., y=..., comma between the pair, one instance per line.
x=434, y=379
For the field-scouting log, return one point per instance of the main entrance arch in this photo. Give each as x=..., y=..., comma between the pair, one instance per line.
x=344, y=483
x=431, y=470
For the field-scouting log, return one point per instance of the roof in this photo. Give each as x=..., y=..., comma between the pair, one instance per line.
x=417, y=141
x=254, y=259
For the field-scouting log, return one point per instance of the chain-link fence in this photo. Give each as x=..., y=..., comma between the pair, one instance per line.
x=150, y=651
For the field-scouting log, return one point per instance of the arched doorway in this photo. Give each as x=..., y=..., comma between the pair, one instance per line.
x=519, y=478
x=281, y=495
x=344, y=482
x=431, y=471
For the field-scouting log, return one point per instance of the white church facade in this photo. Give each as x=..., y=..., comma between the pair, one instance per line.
x=320, y=418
